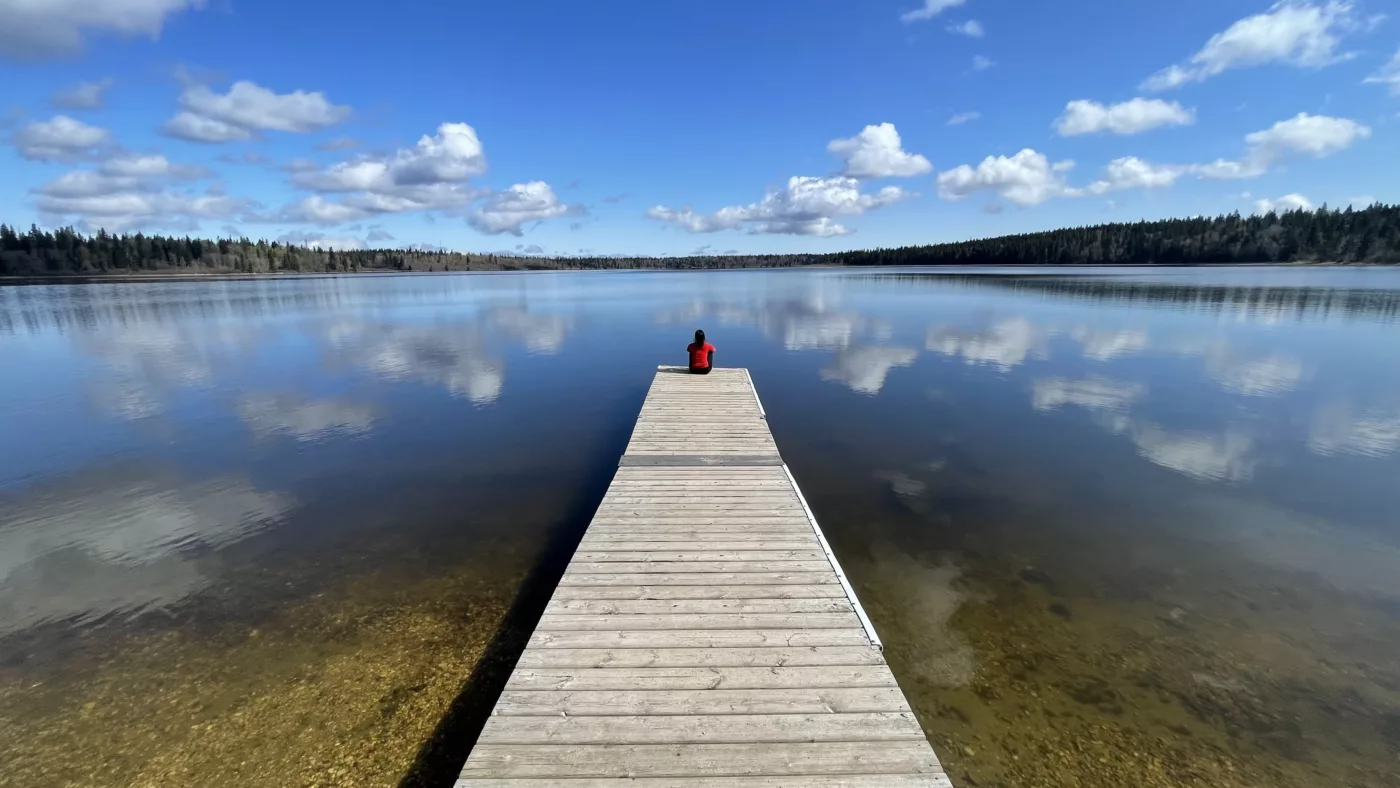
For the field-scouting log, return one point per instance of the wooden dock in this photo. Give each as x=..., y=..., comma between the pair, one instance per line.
x=703, y=634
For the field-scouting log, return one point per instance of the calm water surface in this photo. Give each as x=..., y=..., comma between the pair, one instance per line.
x=1127, y=527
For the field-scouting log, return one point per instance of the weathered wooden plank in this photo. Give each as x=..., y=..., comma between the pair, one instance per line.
x=700, y=483
x=790, y=524
x=713, y=638
x=686, y=534
x=611, y=607
x=718, y=729
x=536, y=658
x=703, y=781
x=744, y=520
x=594, y=556
x=739, y=542
x=701, y=592
x=670, y=459
x=660, y=474
x=679, y=760
x=806, y=700
x=682, y=621
x=707, y=499
x=611, y=678
x=686, y=567
x=698, y=578
x=692, y=508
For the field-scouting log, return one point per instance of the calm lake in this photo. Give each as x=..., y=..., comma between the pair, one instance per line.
x=1129, y=527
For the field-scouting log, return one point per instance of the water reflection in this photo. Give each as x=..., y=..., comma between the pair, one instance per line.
x=1200, y=455
x=303, y=419
x=1337, y=429
x=1096, y=394
x=1003, y=345
x=1106, y=345
x=119, y=541
x=1257, y=295
x=1122, y=517
x=864, y=368
x=454, y=356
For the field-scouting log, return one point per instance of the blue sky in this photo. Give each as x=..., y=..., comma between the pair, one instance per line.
x=668, y=128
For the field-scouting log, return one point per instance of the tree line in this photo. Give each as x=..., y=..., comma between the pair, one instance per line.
x=1368, y=235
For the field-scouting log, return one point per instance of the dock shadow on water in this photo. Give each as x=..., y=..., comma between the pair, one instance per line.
x=1115, y=528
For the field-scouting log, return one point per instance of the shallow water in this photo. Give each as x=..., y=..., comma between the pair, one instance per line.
x=1116, y=527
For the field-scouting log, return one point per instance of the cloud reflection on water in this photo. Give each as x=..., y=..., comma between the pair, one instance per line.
x=119, y=542
x=1338, y=429
x=302, y=418
x=864, y=368
x=1004, y=345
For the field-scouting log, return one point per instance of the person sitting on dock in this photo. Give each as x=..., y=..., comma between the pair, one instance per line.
x=702, y=355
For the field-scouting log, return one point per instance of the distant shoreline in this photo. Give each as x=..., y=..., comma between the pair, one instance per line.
x=98, y=277
x=1370, y=236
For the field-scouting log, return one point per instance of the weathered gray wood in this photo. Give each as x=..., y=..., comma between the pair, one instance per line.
x=682, y=567
x=716, y=729
x=683, y=621
x=806, y=700
x=610, y=607
x=697, y=460
x=596, y=556
x=765, y=542
x=795, y=781
x=727, y=760
x=712, y=638
x=702, y=634
x=699, y=657
x=659, y=534
x=611, y=678
x=828, y=591
x=741, y=521
x=697, y=578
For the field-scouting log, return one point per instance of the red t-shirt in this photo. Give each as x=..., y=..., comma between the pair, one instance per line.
x=700, y=354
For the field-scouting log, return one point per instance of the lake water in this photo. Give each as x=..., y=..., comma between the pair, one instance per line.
x=1131, y=527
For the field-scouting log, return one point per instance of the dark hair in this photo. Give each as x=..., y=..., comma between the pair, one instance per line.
x=700, y=337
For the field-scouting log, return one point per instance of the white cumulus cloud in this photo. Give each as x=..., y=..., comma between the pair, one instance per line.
x=878, y=152
x=133, y=191
x=963, y=117
x=84, y=95
x=506, y=211
x=431, y=175
x=1303, y=136
x=1131, y=172
x=1303, y=34
x=1284, y=204
x=1028, y=178
x=1129, y=117
x=807, y=205
x=930, y=9
x=197, y=128
x=1309, y=135
x=248, y=108
x=60, y=138
x=38, y=29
